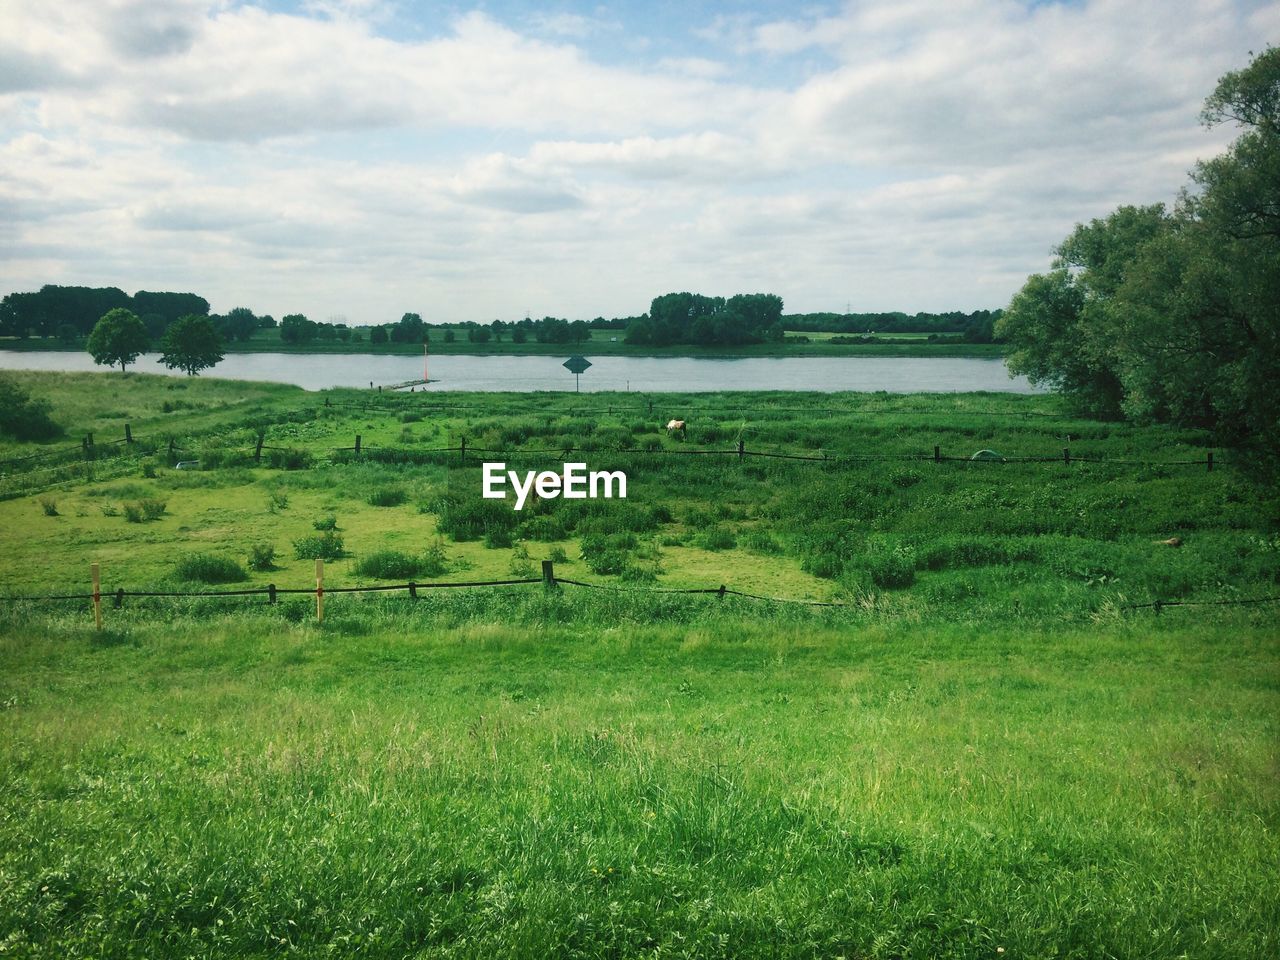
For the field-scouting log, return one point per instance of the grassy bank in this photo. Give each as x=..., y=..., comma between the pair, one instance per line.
x=979, y=753
x=604, y=782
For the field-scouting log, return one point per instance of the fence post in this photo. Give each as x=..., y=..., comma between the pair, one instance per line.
x=319, y=590
x=128, y=434
x=271, y=593
x=937, y=453
x=462, y=455
x=548, y=573
x=740, y=449
x=257, y=449
x=119, y=598
x=720, y=592
x=1209, y=461
x=357, y=443
x=413, y=590
x=1066, y=455
x=95, y=572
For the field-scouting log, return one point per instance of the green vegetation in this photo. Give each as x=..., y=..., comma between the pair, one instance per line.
x=23, y=417
x=191, y=344
x=979, y=751
x=119, y=337
x=1175, y=317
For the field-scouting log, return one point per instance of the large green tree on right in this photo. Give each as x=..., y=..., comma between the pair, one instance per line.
x=1175, y=316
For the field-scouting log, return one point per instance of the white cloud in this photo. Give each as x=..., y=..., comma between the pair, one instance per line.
x=929, y=158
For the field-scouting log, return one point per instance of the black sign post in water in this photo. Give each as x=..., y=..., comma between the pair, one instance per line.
x=576, y=365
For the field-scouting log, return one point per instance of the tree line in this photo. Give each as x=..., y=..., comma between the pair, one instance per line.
x=975, y=327
x=1173, y=314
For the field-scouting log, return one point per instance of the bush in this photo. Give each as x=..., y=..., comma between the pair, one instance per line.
x=388, y=565
x=327, y=546
x=521, y=565
x=497, y=538
x=761, y=541
x=49, y=506
x=23, y=418
x=387, y=497
x=434, y=560
x=717, y=538
x=468, y=517
x=288, y=459
x=207, y=568
x=262, y=556
x=326, y=523
x=143, y=510
x=891, y=566
x=557, y=555
x=277, y=500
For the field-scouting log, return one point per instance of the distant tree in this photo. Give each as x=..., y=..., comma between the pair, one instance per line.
x=238, y=324
x=449, y=335
x=171, y=306
x=267, y=322
x=296, y=328
x=580, y=331
x=519, y=334
x=378, y=334
x=68, y=334
x=191, y=344
x=119, y=337
x=478, y=334
x=22, y=417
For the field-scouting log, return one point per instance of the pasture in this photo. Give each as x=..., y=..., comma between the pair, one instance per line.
x=980, y=752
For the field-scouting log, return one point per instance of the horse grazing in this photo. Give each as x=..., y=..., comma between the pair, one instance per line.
x=676, y=426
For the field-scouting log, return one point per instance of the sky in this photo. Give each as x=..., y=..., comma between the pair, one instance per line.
x=356, y=159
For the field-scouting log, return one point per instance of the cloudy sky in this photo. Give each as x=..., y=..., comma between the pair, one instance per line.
x=473, y=161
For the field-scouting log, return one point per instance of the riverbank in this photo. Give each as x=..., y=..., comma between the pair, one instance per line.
x=598, y=346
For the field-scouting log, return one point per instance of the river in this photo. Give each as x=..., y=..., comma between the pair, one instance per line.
x=317, y=371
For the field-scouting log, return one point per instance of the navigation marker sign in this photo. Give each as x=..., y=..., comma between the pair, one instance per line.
x=576, y=365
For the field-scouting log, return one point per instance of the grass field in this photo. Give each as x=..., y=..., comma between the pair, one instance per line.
x=979, y=754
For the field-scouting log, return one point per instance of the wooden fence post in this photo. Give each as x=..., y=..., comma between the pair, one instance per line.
x=1066, y=455
x=319, y=590
x=937, y=453
x=1209, y=461
x=548, y=573
x=357, y=443
x=119, y=599
x=271, y=593
x=413, y=590
x=462, y=456
x=740, y=449
x=128, y=434
x=720, y=592
x=96, y=573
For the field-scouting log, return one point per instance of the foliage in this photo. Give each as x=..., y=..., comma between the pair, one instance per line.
x=326, y=546
x=23, y=417
x=693, y=318
x=209, y=568
x=388, y=565
x=262, y=557
x=387, y=497
x=1175, y=317
x=142, y=511
x=191, y=344
x=329, y=522
x=119, y=337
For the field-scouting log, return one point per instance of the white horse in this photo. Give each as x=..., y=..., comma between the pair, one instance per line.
x=676, y=426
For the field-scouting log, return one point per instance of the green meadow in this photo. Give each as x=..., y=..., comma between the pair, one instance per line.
x=982, y=748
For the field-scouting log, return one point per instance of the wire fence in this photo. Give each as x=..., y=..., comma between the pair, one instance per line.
x=548, y=580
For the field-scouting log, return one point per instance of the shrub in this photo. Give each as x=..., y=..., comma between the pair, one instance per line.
x=761, y=541
x=468, y=517
x=557, y=555
x=262, y=556
x=434, y=560
x=640, y=572
x=326, y=523
x=520, y=565
x=496, y=538
x=388, y=565
x=49, y=506
x=277, y=500
x=387, y=497
x=717, y=538
x=890, y=565
x=207, y=568
x=152, y=509
x=288, y=459
x=23, y=418
x=327, y=546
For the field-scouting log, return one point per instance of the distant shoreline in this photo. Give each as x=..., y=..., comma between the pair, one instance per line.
x=592, y=348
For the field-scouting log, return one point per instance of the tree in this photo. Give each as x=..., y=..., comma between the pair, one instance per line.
x=296, y=328
x=449, y=335
x=378, y=334
x=238, y=324
x=119, y=337
x=192, y=344
x=1175, y=317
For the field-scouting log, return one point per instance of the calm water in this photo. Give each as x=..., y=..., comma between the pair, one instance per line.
x=507, y=373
